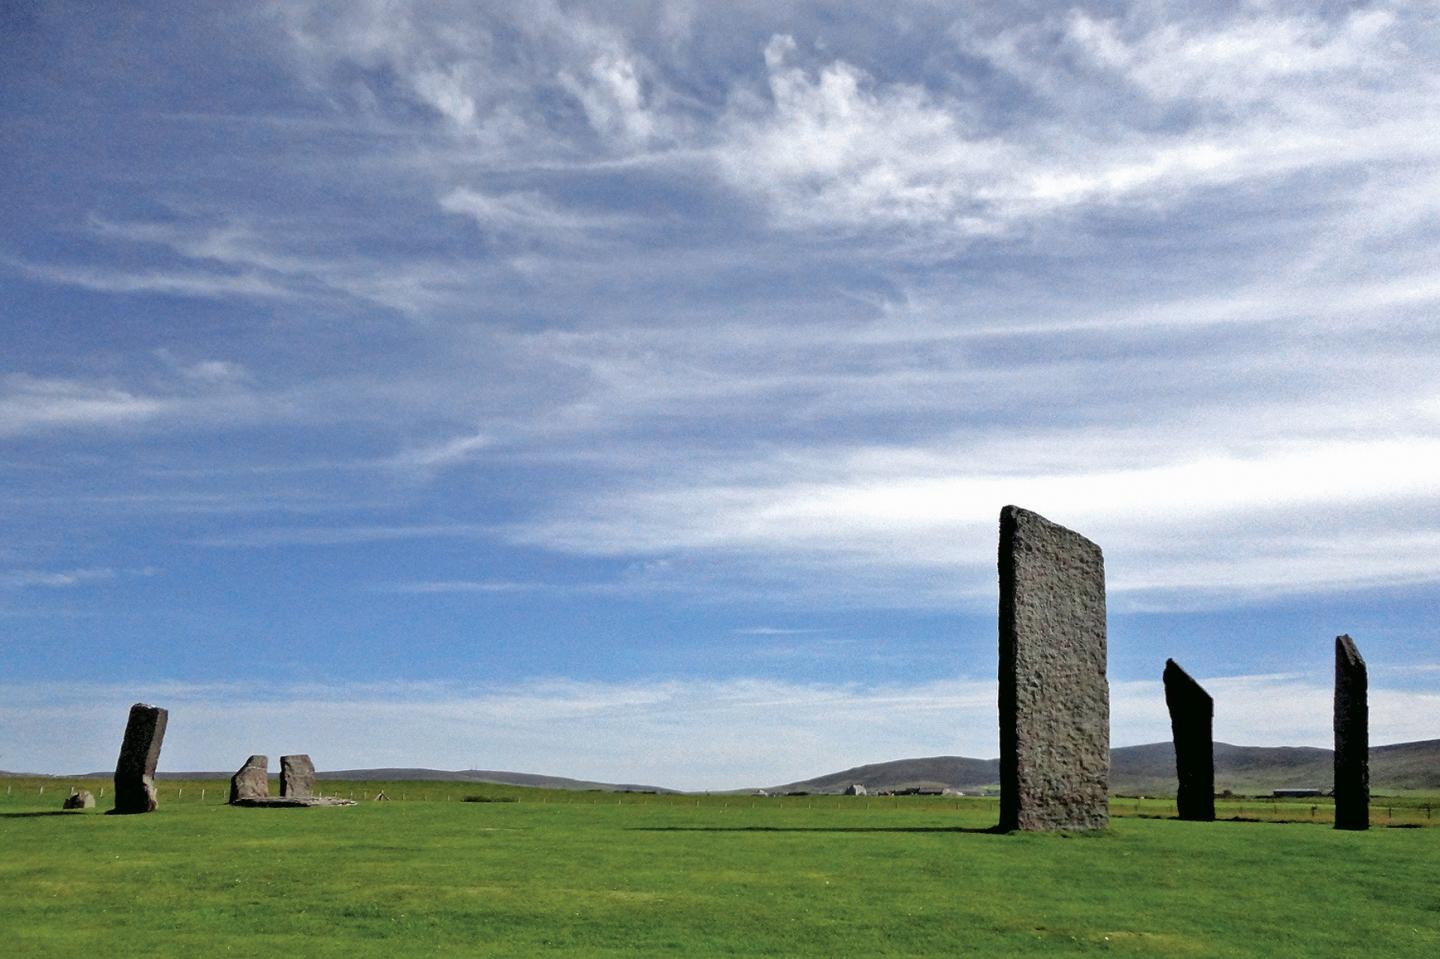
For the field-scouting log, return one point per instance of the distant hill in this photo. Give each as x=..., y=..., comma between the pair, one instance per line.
x=423, y=775
x=955, y=772
x=487, y=776
x=1149, y=770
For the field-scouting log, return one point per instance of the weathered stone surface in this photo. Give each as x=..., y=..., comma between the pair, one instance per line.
x=292, y=802
x=252, y=781
x=1192, y=717
x=1054, y=698
x=297, y=777
x=79, y=799
x=139, y=754
x=1352, y=737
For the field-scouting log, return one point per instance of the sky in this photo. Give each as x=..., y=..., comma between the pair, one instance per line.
x=630, y=391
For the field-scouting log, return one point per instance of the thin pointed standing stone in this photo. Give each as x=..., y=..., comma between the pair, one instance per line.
x=252, y=781
x=139, y=755
x=1054, y=699
x=1352, y=738
x=1192, y=714
x=297, y=777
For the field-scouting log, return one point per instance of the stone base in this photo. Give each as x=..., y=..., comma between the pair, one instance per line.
x=292, y=802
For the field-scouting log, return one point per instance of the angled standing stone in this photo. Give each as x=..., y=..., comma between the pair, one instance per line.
x=1352, y=738
x=1054, y=699
x=297, y=777
x=139, y=754
x=252, y=781
x=1192, y=714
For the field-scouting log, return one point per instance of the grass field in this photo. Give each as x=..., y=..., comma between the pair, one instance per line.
x=539, y=872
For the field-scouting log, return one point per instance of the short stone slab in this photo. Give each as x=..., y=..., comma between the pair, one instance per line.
x=292, y=802
x=251, y=781
x=297, y=776
x=80, y=799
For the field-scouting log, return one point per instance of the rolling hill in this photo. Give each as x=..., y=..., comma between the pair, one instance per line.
x=1150, y=770
x=1147, y=770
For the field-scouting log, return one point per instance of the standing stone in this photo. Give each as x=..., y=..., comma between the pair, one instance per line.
x=1352, y=738
x=139, y=754
x=252, y=781
x=1054, y=699
x=79, y=799
x=297, y=777
x=1192, y=713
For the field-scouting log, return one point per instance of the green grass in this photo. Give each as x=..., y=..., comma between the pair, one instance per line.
x=639, y=875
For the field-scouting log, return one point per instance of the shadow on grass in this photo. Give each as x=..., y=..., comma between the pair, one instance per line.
x=31, y=815
x=983, y=831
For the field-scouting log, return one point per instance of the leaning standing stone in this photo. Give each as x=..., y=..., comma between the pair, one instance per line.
x=252, y=781
x=297, y=777
x=1192, y=714
x=1352, y=738
x=1054, y=698
x=139, y=754
x=80, y=799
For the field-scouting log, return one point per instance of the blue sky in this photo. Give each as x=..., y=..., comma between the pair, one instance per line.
x=631, y=391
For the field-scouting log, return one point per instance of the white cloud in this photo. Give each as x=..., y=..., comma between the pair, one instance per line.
x=1246, y=60
x=335, y=535
x=468, y=586
x=31, y=404
x=523, y=214
x=836, y=147
x=171, y=282
x=675, y=733
x=611, y=92
x=1228, y=524
x=460, y=449
x=22, y=578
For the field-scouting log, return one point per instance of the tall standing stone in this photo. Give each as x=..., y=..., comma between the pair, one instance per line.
x=1192, y=715
x=252, y=781
x=1054, y=699
x=297, y=776
x=1352, y=738
x=139, y=754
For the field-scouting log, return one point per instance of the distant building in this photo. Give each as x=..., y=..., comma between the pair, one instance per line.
x=854, y=789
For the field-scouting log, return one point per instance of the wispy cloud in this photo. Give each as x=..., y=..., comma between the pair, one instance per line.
x=738, y=295
x=524, y=214
x=29, y=403
x=208, y=285
x=468, y=586
x=22, y=578
x=445, y=453
x=335, y=535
